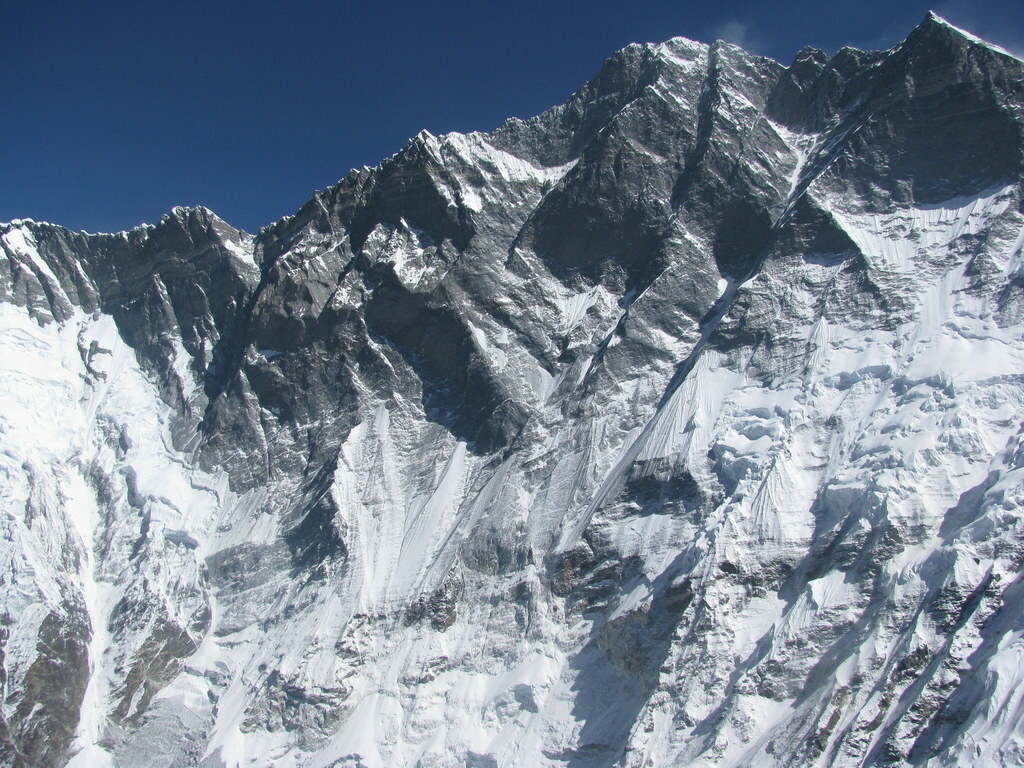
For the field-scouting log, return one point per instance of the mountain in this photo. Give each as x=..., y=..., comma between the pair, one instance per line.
x=680, y=425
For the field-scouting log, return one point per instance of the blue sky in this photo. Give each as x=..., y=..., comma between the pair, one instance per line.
x=114, y=112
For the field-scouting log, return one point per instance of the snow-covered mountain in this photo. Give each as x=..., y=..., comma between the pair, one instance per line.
x=680, y=425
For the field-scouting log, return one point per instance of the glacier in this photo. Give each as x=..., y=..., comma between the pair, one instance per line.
x=680, y=425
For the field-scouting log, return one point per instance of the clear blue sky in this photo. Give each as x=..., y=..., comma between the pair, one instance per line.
x=114, y=112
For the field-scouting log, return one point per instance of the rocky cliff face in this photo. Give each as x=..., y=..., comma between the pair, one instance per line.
x=678, y=425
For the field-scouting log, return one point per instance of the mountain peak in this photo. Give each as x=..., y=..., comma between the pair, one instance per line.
x=933, y=25
x=185, y=212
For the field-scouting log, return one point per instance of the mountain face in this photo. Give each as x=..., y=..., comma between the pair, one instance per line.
x=681, y=425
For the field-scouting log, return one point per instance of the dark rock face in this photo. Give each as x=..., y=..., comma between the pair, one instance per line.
x=678, y=425
x=46, y=714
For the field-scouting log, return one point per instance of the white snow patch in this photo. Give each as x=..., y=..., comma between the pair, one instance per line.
x=242, y=251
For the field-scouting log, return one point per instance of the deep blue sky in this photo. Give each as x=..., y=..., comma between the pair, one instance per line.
x=114, y=112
